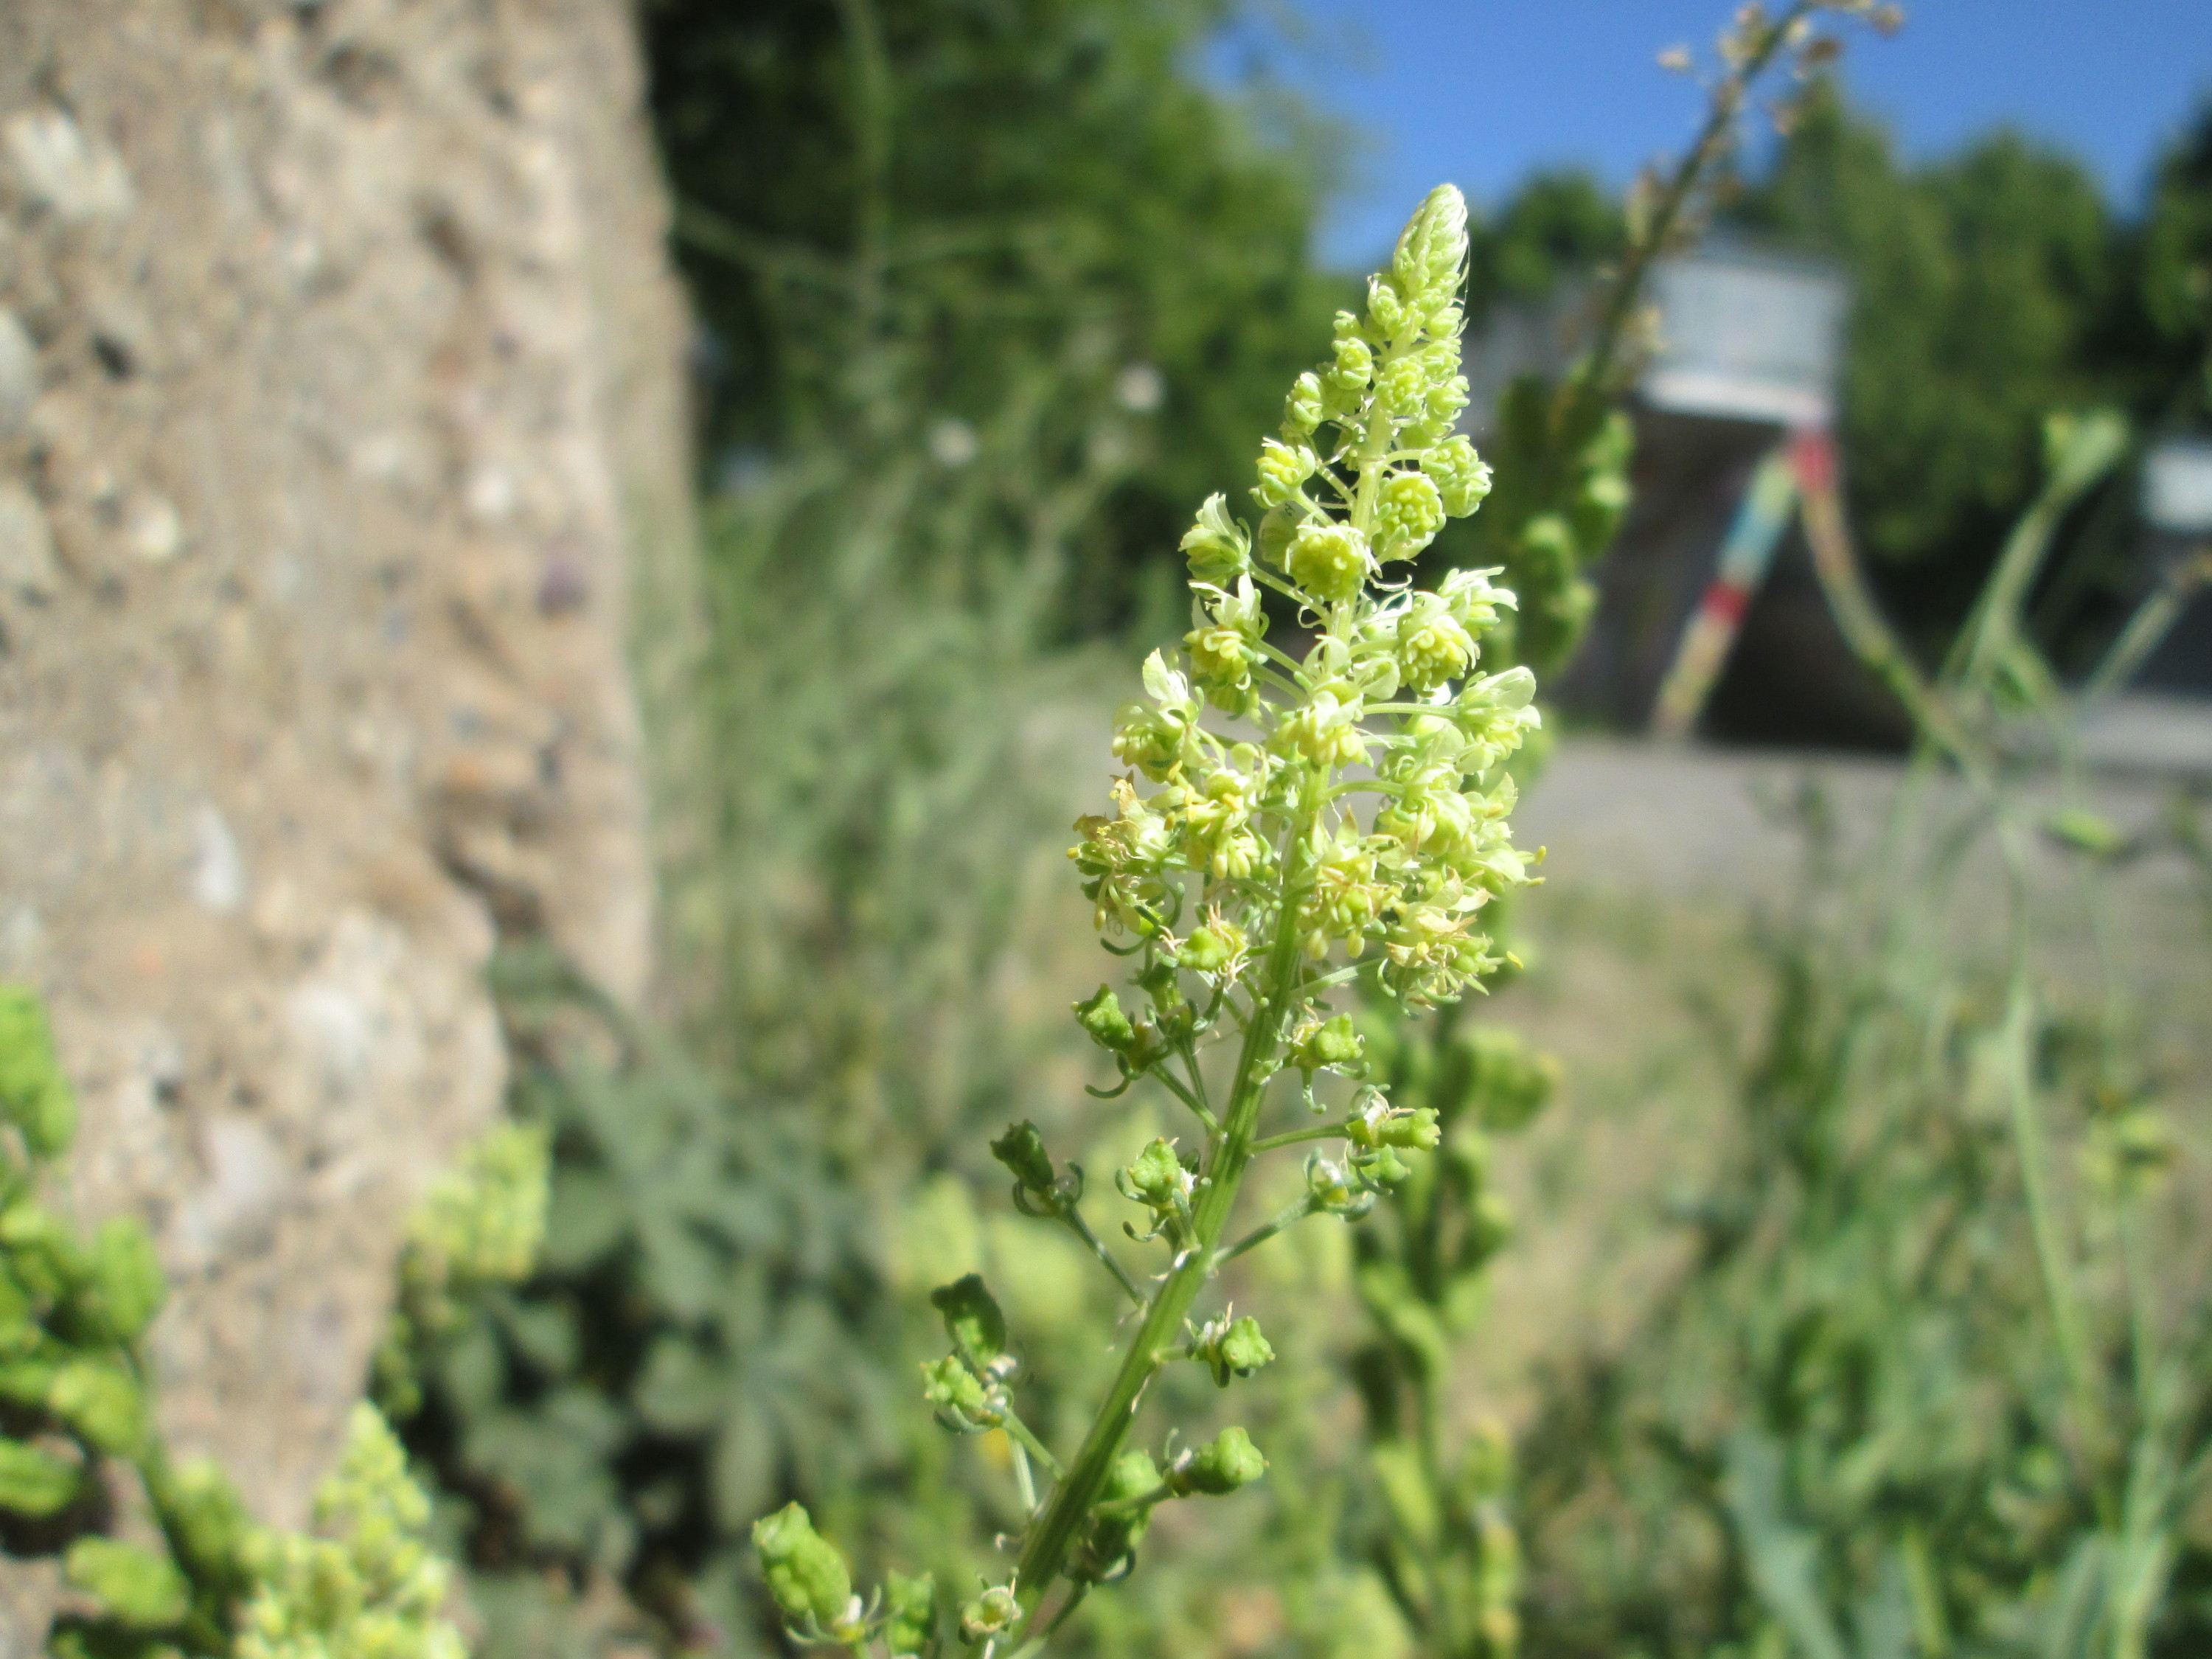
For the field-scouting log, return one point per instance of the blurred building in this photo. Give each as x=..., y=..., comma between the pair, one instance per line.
x=2162, y=721
x=1711, y=617
x=2177, y=510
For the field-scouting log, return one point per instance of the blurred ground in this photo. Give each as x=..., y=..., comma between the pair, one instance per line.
x=1644, y=979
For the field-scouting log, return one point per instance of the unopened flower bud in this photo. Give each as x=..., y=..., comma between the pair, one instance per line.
x=1386, y=306
x=1431, y=252
x=1355, y=359
x=1146, y=739
x=1408, y=513
x=911, y=1614
x=808, y=1578
x=1283, y=471
x=1462, y=476
x=1105, y=1548
x=1433, y=646
x=1302, y=410
x=1234, y=1348
x=1021, y=1149
x=1403, y=387
x=961, y=1400
x=972, y=1318
x=1212, y=948
x=1378, y=1123
x=1328, y=561
x=1156, y=1177
x=1330, y=1044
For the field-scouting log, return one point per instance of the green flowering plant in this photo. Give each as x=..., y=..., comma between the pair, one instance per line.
x=77, y=1402
x=482, y=1223
x=1292, y=825
x=366, y=1581
x=1439, y=1529
x=74, y=1390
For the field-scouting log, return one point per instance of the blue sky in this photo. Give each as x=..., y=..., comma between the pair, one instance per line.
x=1481, y=91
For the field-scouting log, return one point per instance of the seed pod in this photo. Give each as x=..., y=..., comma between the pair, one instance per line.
x=1228, y=1460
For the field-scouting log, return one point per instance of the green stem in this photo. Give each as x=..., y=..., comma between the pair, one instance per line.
x=1212, y=1124
x=1052, y=1535
x=1267, y=1229
x=2151, y=623
x=2029, y=1146
x=1593, y=379
x=1022, y=1435
x=1081, y=1228
x=1292, y=1137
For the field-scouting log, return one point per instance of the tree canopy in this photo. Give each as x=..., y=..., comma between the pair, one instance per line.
x=956, y=196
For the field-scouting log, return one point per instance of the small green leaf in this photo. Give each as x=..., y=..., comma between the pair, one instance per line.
x=1021, y=1149
x=201, y=1511
x=127, y=1285
x=809, y=1579
x=138, y=1587
x=34, y=1096
x=101, y=1404
x=35, y=1482
x=2083, y=831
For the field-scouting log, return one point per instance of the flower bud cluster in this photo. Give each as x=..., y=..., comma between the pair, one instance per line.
x=371, y=1584
x=1366, y=471
x=1316, y=772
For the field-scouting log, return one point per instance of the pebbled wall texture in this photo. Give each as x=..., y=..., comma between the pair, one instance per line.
x=343, y=534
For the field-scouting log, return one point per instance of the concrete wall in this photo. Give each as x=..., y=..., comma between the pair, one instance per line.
x=341, y=465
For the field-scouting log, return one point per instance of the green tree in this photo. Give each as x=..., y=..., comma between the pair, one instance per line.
x=1983, y=286
x=2174, y=276
x=1557, y=224
x=981, y=187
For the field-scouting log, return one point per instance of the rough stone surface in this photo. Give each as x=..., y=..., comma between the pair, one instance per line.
x=340, y=454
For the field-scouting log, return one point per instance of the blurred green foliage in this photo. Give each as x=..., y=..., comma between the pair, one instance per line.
x=74, y=1405
x=1439, y=1520
x=697, y=1332
x=1934, y=1379
x=992, y=185
x=1989, y=288
x=83, y=1458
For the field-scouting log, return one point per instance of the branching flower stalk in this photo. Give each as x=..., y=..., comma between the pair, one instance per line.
x=1316, y=821
x=1564, y=449
x=1442, y=1540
